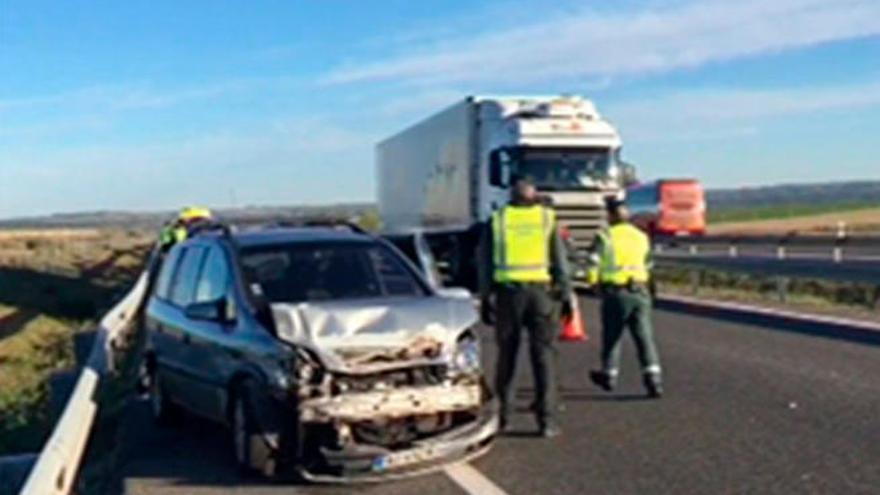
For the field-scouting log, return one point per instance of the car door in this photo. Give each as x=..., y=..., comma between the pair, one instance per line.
x=212, y=339
x=182, y=382
x=159, y=317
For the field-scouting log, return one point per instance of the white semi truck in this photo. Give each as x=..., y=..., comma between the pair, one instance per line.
x=444, y=175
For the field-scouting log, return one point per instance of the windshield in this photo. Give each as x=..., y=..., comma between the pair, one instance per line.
x=327, y=271
x=559, y=170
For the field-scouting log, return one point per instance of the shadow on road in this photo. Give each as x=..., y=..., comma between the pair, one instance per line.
x=776, y=323
x=578, y=395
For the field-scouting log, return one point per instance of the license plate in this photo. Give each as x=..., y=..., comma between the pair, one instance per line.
x=399, y=459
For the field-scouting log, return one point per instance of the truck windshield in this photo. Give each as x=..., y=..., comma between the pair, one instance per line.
x=322, y=271
x=560, y=170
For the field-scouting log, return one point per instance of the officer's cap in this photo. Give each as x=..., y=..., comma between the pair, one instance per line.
x=613, y=203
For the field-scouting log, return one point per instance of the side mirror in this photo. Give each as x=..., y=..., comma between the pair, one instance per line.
x=207, y=311
x=496, y=169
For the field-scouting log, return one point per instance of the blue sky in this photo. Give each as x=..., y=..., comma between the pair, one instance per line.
x=153, y=104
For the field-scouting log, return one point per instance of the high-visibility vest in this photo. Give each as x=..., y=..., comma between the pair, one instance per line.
x=521, y=242
x=172, y=234
x=624, y=255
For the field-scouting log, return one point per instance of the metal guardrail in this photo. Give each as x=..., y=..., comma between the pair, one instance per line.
x=59, y=464
x=837, y=258
x=833, y=244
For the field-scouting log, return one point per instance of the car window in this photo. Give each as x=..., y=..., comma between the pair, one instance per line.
x=183, y=288
x=214, y=278
x=394, y=277
x=327, y=271
x=169, y=266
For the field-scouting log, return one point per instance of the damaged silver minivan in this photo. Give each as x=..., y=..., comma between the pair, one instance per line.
x=327, y=352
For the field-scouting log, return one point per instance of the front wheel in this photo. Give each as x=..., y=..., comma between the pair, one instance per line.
x=254, y=448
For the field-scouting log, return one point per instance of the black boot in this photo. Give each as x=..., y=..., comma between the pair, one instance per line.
x=603, y=380
x=653, y=385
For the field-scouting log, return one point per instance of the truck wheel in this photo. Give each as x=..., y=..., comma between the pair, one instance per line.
x=255, y=448
x=165, y=412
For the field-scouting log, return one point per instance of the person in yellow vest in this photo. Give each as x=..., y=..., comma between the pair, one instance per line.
x=624, y=260
x=522, y=261
x=178, y=230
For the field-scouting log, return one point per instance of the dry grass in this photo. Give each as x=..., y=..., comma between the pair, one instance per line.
x=863, y=220
x=31, y=234
x=28, y=358
x=824, y=297
x=52, y=283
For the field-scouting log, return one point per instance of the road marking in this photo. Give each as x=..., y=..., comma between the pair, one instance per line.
x=805, y=317
x=472, y=481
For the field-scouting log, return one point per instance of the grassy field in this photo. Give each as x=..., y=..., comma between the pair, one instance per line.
x=783, y=211
x=52, y=284
x=801, y=218
x=858, y=301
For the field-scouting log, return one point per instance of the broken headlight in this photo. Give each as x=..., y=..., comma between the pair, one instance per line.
x=466, y=357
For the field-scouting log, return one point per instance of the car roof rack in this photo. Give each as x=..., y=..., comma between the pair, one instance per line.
x=211, y=226
x=332, y=223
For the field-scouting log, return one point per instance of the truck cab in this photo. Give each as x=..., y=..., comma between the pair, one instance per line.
x=449, y=172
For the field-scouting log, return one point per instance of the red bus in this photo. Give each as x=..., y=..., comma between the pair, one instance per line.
x=668, y=207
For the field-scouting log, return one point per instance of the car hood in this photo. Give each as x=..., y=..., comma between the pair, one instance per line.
x=371, y=335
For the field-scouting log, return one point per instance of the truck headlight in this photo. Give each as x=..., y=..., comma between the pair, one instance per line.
x=466, y=358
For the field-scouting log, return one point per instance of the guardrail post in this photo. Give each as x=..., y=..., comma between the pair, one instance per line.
x=782, y=288
x=875, y=300
x=839, y=242
x=695, y=276
x=692, y=249
x=780, y=252
x=732, y=251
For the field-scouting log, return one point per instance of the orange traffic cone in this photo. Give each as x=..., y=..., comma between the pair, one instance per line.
x=573, y=328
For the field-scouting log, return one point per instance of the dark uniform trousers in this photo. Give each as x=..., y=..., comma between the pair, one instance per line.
x=624, y=308
x=526, y=307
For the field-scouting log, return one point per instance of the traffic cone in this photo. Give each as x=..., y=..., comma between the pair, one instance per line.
x=573, y=328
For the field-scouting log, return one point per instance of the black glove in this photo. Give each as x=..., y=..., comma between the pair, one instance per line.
x=487, y=311
x=566, y=310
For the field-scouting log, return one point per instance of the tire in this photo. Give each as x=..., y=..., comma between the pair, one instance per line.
x=254, y=448
x=164, y=411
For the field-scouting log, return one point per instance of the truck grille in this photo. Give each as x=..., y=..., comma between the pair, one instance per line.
x=582, y=222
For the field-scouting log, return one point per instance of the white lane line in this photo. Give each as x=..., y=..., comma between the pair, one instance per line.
x=804, y=317
x=471, y=480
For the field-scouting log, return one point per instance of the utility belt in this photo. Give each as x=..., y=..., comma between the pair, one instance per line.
x=630, y=286
x=522, y=285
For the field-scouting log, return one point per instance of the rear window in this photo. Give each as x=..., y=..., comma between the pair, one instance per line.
x=324, y=271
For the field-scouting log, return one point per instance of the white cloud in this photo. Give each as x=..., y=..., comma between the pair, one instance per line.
x=587, y=43
x=723, y=113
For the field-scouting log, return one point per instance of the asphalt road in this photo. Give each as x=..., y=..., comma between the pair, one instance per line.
x=750, y=408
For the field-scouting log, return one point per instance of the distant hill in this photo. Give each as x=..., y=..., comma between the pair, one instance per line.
x=835, y=195
x=832, y=193
x=139, y=220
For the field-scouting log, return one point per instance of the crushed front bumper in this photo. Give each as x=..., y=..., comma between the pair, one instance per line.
x=370, y=463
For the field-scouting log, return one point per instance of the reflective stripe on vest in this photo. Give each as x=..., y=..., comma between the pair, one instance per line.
x=521, y=241
x=624, y=255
